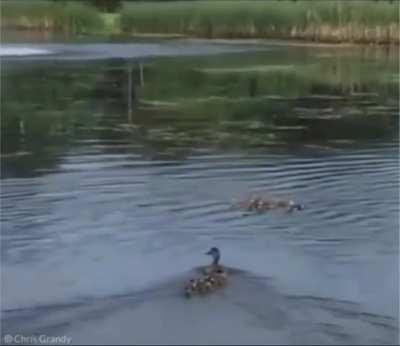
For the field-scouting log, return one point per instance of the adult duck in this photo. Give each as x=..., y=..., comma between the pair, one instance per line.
x=214, y=276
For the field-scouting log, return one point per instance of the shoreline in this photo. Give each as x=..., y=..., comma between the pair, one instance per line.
x=332, y=22
x=278, y=41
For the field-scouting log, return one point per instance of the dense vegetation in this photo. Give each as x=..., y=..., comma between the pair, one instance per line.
x=367, y=21
x=71, y=17
x=327, y=20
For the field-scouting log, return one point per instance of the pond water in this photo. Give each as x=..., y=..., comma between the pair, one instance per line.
x=120, y=164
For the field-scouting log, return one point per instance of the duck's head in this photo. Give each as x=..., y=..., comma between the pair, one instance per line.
x=295, y=206
x=215, y=254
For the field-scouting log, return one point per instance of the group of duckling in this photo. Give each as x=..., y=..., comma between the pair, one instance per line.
x=260, y=205
x=214, y=277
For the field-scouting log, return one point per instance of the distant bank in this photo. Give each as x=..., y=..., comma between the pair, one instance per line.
x=327, y=21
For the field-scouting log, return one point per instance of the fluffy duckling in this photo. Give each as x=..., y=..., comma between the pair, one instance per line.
x=260, y=205
x=218, y=278
x=205, y=285
x=200, y=286
x=289, y=205
x=197, y=286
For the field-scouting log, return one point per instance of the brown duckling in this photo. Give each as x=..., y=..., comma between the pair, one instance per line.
x=218, y=278
x=260, y=205
x=200, y=286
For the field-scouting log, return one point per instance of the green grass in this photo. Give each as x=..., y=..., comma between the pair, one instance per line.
x=67, y=16
x=328, y=20
x=363, y=21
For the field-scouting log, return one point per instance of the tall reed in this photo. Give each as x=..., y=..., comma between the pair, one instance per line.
x=328, y=20
x=67, y=16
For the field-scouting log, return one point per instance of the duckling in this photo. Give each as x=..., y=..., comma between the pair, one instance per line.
x=206, y=285
x=200, y=286
x=264, y=205
x=218, y=278
x=191, y=287
x=252, y=205
x=260, y=205
x=290, y=206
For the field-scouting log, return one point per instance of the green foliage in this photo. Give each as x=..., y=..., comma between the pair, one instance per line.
x=106, y=5
x=324, y=20
x=68, y=16
x=251, y=18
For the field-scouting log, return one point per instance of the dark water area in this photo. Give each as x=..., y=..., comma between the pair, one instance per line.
x=119, y=166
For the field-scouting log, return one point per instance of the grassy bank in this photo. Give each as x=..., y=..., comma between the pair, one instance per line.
x=366, y=21
x=322, y=21
x=72, y=17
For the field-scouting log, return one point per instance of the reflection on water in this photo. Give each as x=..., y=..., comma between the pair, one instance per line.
x=237, y=101
x=118, y=194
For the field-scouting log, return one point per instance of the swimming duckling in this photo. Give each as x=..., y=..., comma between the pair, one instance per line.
x=218, y=278
x=260, y=205
x=249, y=204
x=290, y=206
x=200, y=286
x=190, y=288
